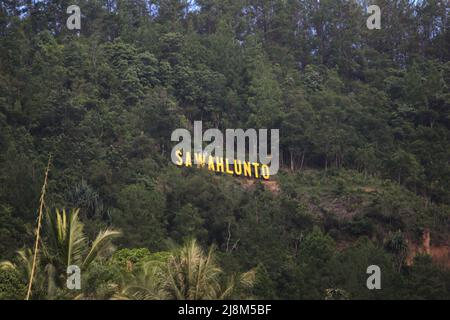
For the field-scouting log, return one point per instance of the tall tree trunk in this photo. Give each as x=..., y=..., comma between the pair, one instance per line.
x=302, y=162
x=292, y=159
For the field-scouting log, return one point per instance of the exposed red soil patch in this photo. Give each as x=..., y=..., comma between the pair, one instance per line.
x=440, y=254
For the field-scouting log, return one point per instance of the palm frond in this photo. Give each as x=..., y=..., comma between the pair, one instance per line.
x=76, y=241
x=100, y=245
x=147, y=283
x=7, y=265
x=66, y=240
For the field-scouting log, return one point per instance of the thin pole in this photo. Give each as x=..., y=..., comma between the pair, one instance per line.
x=36, y=244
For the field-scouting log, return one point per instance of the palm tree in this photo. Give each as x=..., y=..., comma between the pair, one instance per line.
x=23, y=270
x=23, y=267
x=397, y=244
x=189, y=274
x=65, y=244
x=192, y=275
x=146, y=283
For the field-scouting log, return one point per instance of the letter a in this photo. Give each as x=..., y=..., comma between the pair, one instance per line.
x=74, y=278
x=74, y=21
x=374, y=21
x=374, y=281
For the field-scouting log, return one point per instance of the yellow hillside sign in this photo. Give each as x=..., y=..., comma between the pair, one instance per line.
x=223, y=165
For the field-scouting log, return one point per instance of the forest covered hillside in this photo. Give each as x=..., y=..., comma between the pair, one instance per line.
x=364, y=120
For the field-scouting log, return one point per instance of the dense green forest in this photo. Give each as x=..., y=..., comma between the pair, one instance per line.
x=364, y=119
